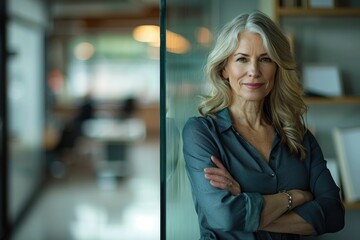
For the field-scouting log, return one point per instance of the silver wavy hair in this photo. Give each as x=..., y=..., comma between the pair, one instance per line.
x=284, y=106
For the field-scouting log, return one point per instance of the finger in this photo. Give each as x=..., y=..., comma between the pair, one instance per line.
x=216, y=171
x=222, y=185
x=219, y=179
x=220, y=171
x=217, y=162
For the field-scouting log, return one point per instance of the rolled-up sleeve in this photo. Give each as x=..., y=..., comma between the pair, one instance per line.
x=216, y=207
x=326, y=212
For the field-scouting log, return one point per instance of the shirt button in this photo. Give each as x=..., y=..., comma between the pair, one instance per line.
x=273, y=174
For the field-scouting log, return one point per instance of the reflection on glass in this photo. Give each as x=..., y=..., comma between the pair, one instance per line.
x=25, y=114
x=195, y=21
x=184, y=77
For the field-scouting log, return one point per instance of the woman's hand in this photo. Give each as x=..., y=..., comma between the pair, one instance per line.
x=300, y=197
x=220, y=177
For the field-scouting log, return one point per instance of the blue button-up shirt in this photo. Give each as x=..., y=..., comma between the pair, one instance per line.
x=223, y=216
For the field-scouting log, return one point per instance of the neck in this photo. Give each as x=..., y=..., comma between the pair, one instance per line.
x=248, y=114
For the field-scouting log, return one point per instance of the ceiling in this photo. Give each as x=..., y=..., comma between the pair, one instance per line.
x=99, y=15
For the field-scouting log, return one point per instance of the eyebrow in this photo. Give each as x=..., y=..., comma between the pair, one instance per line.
x=247, y=55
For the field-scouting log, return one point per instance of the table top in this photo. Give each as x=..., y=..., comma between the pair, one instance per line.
x=115, y=130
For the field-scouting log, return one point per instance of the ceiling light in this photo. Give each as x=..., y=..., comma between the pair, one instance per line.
x=150, y=34
x=147, y=33
x=84, y=51
x=203, y=36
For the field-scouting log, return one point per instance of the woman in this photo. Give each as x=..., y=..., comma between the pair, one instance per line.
x=256, y=172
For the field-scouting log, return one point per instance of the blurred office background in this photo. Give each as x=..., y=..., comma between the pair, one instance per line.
x=80, y=110
x=79, y=120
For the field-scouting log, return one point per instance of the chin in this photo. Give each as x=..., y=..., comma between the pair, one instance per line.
x=253, y=97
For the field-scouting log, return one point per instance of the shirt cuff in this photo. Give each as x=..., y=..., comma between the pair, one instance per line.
x=312, y=213
x=253, y=204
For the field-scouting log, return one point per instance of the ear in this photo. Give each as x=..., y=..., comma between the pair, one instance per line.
x=224, y=74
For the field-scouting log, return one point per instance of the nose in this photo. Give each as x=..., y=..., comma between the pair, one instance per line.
x=253, y=70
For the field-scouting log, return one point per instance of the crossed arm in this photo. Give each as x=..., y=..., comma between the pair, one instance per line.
x=274, y=216
x=318, y=212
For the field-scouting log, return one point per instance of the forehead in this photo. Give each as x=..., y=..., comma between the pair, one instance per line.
x=250, y=41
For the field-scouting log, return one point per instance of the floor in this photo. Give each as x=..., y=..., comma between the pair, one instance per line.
x=82, y=204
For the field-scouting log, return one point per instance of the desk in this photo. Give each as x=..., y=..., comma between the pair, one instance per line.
x=114, y=136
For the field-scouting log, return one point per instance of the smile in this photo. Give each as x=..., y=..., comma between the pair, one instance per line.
x=253, y=85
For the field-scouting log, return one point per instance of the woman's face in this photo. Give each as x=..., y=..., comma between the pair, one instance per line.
x=249, y=69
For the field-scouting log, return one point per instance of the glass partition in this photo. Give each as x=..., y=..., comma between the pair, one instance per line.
x=25, y=104
x=189, y=36
x=190, y=29
x=3, y=175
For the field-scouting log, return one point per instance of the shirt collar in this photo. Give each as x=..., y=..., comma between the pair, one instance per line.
x=223, y=119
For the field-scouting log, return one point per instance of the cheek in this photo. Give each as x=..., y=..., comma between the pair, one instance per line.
x=270, y=73
x=271, y=81
x=270, y=78
x=236, y=72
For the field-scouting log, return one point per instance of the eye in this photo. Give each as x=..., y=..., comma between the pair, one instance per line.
x=266, y=60
x=242, y=59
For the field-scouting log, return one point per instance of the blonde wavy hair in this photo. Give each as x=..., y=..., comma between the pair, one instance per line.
x=284, y=106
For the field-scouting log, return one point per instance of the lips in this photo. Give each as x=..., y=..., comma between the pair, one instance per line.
x=253, y=85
